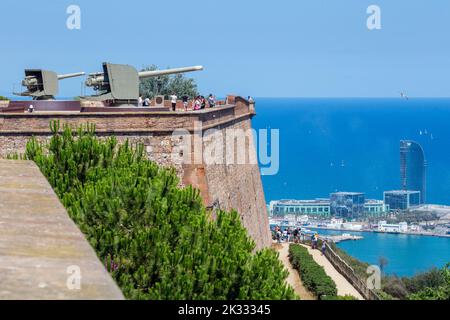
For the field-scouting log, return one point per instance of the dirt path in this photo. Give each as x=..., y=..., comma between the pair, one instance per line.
x=293, y=278
x=343, y=286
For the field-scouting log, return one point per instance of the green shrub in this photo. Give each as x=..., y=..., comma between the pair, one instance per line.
x=395, y=287
x=157, y=240
x=441, y=292
x=312, y=274
x=2, y=98
x=428, y=279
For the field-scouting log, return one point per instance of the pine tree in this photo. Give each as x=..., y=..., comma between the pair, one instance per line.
x=157, y=240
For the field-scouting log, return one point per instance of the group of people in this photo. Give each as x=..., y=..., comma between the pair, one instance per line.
x=288, y=235
x=296, y=235
x=143, y=102
x=198, y=103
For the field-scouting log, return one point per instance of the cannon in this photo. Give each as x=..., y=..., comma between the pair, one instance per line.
x=43, y=84
x=118, y=84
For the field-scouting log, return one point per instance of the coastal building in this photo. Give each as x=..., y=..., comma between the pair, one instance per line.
x=413, y=168
x=401, y=199
x=319, y=207
x=395, y=228
x=335, y=223
x=375, y=207
x=352, y=226
x=347, y=204
x=322, y=207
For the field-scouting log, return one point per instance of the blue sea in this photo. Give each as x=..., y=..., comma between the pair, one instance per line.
x=407, y=255
x=329, y=145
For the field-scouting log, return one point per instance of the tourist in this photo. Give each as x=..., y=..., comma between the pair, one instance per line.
x=140, y=101
x=185, y=99
x=313, y=241
x=173, y=99
x=285, y=235
x=296, y=235
x=146, y=102
x=203, y=102
x=197, y=103
x=324, y=247
x=278, y=236
x=211, y=101
x=288, y=232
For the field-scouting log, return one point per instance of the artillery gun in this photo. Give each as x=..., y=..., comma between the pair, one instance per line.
x=118, y=84
x=42, y=84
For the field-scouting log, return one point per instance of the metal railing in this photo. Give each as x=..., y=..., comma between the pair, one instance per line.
x=343, y=268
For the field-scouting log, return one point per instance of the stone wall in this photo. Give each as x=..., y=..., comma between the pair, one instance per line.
x=229, y=186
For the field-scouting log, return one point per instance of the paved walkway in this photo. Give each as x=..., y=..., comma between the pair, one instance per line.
x=293, y=278
x=343, y=286
x=42, y=251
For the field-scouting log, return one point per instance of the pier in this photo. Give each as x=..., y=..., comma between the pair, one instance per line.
x=340, y=238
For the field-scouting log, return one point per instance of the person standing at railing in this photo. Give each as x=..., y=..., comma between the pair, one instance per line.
x=185, y=99
x=313, y=242
x=211, y=101
x=278, y=235
x=296, y=231
x=197, y=103
x=203, y=102
x=324, y=247
x=173, y=99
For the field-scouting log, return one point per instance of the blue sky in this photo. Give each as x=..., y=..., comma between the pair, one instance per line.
x=289, y=48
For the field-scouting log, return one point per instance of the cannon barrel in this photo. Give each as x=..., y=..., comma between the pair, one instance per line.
x=70, y=75
x=98, y=78
x=155, y=73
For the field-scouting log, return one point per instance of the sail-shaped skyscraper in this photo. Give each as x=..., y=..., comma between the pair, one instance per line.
x=413, y=168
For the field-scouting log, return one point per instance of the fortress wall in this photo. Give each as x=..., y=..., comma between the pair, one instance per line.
x=235, y=186
x=238, y=185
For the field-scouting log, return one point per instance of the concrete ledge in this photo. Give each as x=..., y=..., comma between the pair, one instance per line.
x=39, y=243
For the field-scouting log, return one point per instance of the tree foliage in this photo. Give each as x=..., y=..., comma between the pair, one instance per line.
x=167, y=85
x=157, y=240
x=440, y=292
